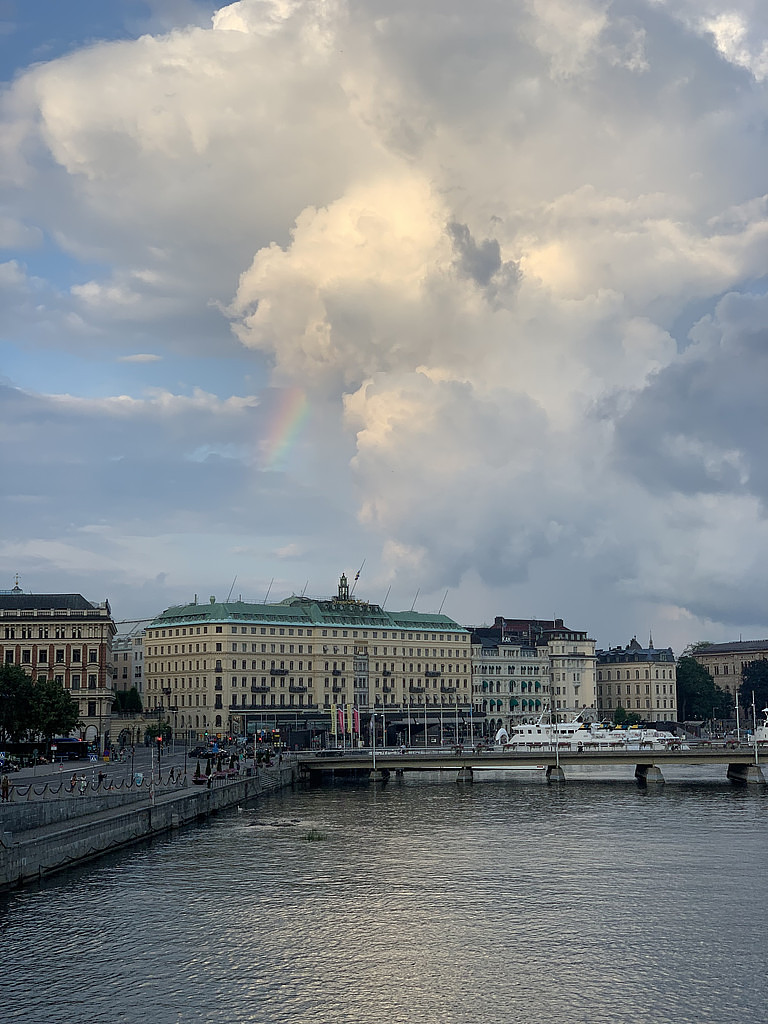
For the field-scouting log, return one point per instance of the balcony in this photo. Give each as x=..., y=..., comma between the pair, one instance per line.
x=415, y=689
x=432, y=675
x=296, y=688
x=259, y=689
x=336, y=672
x=278, y=671
x=387, y=689
x=386, y=672
x=447, y=689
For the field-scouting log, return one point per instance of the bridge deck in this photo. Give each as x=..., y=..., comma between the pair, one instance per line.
x=491, y=760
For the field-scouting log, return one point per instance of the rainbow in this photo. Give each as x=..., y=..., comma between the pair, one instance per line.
x=289, y=417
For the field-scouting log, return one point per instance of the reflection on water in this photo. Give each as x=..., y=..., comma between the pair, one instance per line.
x=508, y=900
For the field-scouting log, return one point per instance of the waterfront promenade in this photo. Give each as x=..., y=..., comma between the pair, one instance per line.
x=45, y=827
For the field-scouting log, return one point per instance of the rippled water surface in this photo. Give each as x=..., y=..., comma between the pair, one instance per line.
x=423, y=901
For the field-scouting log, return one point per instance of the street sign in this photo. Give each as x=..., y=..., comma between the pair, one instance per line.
x=92, y=758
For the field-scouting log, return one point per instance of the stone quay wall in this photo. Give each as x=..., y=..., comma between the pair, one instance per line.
x=34, y=853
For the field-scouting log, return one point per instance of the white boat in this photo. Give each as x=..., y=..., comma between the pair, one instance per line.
x=580, y=735
x=761, y=732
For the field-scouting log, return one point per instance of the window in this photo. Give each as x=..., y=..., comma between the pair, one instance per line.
x=93, y=657
x=59, y=656
x=26, y=657
x=91, y=708
x=9, y=657
x=42, y=656
x=91, y=682
x=76, y=682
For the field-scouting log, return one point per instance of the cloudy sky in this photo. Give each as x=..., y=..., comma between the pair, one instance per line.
x=472, y=293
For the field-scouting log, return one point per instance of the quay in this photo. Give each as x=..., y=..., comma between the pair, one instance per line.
x=742, y=765
x=46, y=828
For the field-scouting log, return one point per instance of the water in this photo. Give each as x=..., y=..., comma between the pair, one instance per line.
x=422, y=901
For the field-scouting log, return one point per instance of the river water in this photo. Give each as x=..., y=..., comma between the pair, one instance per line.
x=509, y=900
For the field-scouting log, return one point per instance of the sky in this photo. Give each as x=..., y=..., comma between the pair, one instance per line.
x=470, y=298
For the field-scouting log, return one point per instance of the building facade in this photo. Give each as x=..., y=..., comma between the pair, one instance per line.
x=642, y=680
x=233, y=668
x=726, y=662
x=526, y=668
x=128, y=655
x=68, y=639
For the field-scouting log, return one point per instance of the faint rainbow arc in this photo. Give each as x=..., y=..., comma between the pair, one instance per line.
x=290, y=416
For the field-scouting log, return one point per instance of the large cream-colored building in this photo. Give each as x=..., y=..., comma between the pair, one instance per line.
x=234, y=667
x=525, y=668
x=726, y=662
x=642, y=680
x=65, y=638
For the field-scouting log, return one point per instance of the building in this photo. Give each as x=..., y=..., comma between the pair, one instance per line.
x=233, y=667
x=524, y=668
x=128, y=655
x=726, y=662
x=65, y=638
x=642, y=680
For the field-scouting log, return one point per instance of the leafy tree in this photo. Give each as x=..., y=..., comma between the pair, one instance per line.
x=623, y=717
x=54, y=712
x=697, y=694
x=754, y=680
x=693, y=648
x=16, y=694
x=128, y=700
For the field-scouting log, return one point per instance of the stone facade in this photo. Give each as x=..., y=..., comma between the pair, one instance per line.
x=526, y=668
x=639, y=679
x=65, y=638
x=226, y=668
x=726, y=662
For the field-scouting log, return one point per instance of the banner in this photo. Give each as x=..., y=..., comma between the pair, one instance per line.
x=334, y=719
x=356, y=721
x=340, y=719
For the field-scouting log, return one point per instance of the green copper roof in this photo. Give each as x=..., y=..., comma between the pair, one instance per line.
x=303, y=611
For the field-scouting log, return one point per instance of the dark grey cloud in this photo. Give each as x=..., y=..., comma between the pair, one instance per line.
x=699, y=425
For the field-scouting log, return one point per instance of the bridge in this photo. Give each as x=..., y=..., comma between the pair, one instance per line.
x=742, y=763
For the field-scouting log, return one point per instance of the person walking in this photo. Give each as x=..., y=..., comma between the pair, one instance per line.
x=5, y=787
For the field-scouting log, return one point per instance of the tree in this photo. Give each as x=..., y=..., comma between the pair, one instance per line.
x=754, y=680
x=54, y=712
x=16, y=693
x=697, y=695
x=128, y=700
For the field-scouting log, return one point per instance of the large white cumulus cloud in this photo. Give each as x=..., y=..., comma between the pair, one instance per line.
x=495, y=234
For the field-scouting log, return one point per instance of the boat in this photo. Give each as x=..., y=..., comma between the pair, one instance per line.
x=761, y=732
x=579, y=735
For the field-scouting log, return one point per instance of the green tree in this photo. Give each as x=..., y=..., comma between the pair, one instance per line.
x=128, y=700
x=697, y=695
x=54, y=712
x=16, y=695
x=754, y=679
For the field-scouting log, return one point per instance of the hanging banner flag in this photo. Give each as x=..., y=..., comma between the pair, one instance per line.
x=356, y=721
x=334, y=719
x=340, y=719
x=349, y=718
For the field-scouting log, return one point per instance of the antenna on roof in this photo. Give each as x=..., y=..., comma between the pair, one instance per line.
x=268, y=590
x=386, y=597
x=357, y=577
x=305, y=588
x=234, y=581
x=440, y=609
x=415, y=599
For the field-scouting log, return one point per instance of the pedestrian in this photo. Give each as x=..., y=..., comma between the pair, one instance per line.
x=83, y=784
x=5, y=787
x=73, y=781
x=102, y=776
